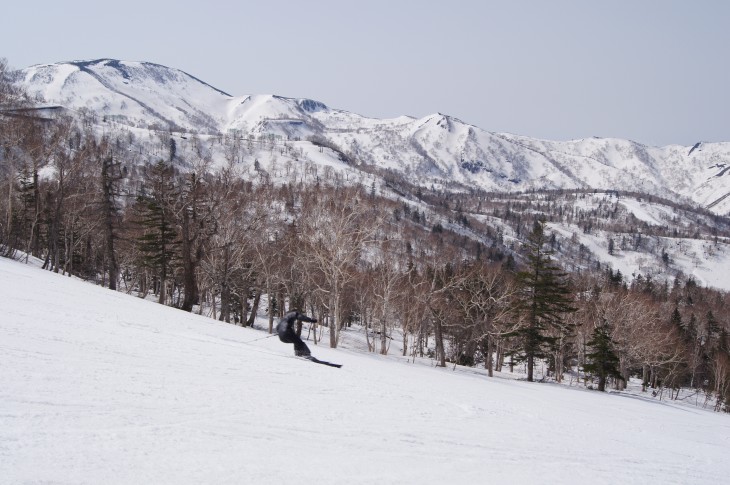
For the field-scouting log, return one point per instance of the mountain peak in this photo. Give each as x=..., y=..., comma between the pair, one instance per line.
x=436, y=149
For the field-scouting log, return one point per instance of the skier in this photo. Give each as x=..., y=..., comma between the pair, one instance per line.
x=287, y=334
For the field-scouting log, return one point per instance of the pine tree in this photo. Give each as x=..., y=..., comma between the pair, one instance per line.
x=713, y=327
x=111, y=176
x=158, y=243
x=602, y=360
x=544, y=298
x=676, y=319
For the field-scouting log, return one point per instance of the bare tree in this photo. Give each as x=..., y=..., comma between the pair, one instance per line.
x=228, y=264
x=434, y=291
x=720, y=366
x=336, y=226
x=484, y=296
x=388, y=276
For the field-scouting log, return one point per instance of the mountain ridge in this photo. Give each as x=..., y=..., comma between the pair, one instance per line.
x=436, y=149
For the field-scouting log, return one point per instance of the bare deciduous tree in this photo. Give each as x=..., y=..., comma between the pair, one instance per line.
x=336, y=227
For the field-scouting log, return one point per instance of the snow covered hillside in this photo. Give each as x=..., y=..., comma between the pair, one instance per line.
x=436, y=150
x=100, y=387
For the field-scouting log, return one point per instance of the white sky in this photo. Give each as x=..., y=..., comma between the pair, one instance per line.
x=654, y=71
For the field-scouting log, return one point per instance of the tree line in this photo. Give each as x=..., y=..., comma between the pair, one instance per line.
x=215, y=238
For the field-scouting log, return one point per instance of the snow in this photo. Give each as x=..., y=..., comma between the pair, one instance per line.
x=435, y=149
x=101, y=387
x=708, y=263
x=652, y=214
x=706, y=260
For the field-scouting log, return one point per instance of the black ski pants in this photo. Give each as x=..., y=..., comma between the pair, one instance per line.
x=290, y=337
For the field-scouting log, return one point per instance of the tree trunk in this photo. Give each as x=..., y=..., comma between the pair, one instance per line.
x=225, y=304
x=107, y=183
x=244, y=304
x=438, y=335
x=371, y=346
x=254, y=309
x=163, y=288
x=585, y=374
x=68, y=266
x=35, y=241
x=500, y=356
x=213, y=305
x=55, y=235
x=489, y=361
x=111, y=258
x=270, y=308
x=383, y=338
x=559, y=366
x=280, y=309
x=334, y=321
x=190, y=282
x=623, y=368
x=315, y=326
x=225, y=288
x=9, y=218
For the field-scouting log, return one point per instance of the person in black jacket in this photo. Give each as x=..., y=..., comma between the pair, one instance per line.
x=287, y=334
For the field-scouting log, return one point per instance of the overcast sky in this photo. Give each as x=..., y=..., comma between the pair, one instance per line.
x=654, y=71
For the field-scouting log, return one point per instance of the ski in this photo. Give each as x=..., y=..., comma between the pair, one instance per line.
x=317, y=361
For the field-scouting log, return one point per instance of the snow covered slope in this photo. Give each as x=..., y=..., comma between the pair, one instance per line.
x=435, y=150
x=138, y=93
x=143, y=94
x=100, y=387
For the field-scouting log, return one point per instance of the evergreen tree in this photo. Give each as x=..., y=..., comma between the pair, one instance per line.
x=676, y=319
x=713, y=327
x=544, y=298
x=111, y=176
x=159, y=242
x=691, y=328
x=724, y=341
x=602, y=360
x=509, y=263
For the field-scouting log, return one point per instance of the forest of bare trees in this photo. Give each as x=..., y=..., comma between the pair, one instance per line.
x=231, y=243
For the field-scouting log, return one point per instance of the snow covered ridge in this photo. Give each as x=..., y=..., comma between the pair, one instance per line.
x=434, y=150
x=100, y=387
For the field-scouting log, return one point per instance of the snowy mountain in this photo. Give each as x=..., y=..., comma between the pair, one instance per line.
x=101, y=387
x=437, y=150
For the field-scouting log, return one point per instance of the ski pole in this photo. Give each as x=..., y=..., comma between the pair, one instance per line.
x=260, y=338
